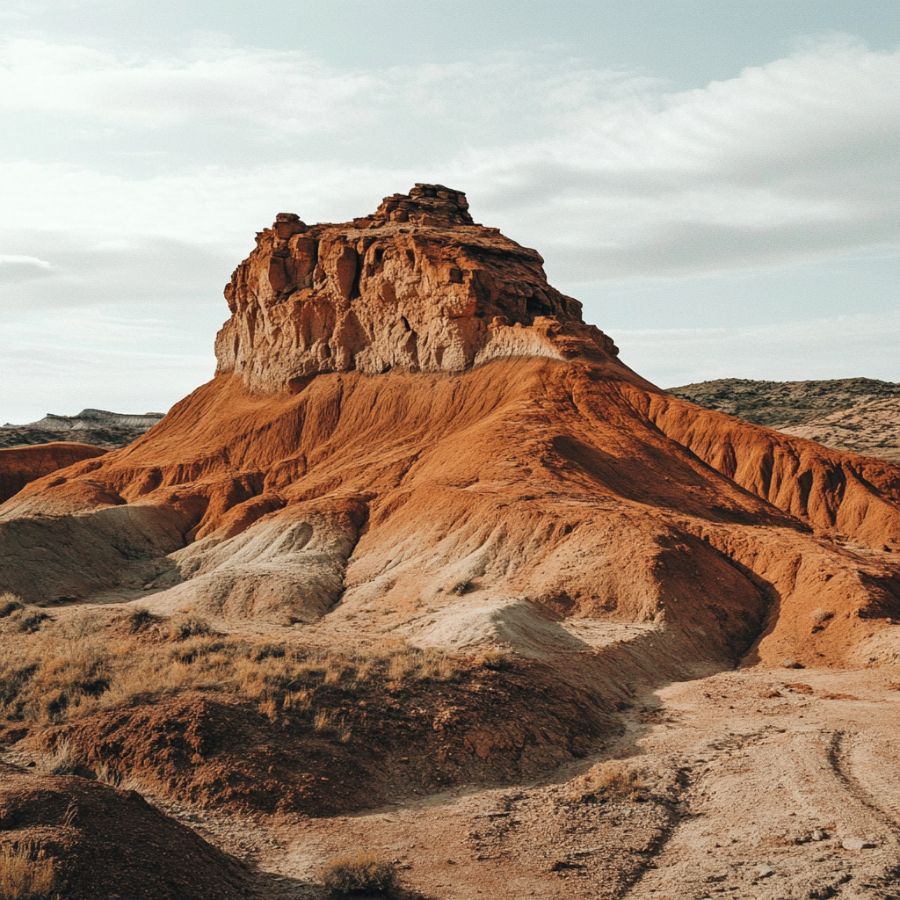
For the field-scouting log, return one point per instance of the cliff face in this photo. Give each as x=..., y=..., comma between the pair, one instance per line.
x=412, y=434
x=416, y=286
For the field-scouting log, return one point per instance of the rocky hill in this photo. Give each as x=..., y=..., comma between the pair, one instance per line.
x=91, y=426
x=861, y=415
x=417, y=566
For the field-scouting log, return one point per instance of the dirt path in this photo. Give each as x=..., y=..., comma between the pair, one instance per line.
x=769, y=784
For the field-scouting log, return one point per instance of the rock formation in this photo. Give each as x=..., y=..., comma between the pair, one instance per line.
x=411, y=433
x=415, y=287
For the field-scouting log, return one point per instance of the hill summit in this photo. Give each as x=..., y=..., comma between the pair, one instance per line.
x=416, y=286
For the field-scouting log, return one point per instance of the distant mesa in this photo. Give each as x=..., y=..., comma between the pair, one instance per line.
x=91, y=426
x=861, y=415
x=38, y=448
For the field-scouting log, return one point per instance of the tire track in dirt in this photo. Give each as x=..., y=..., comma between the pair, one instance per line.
x=838, y=759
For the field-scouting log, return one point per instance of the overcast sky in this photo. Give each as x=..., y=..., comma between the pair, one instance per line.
x=716, y=181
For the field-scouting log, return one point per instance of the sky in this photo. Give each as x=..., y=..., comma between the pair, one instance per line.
x=716, y=181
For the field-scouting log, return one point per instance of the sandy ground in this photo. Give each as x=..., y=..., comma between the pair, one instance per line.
x=760, y=783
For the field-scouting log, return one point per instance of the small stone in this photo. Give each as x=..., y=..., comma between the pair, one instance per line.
x=818, y=835
x=764, y=871
x=855, y=843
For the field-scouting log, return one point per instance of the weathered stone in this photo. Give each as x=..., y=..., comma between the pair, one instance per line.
x=856, y=843
x=464, y=293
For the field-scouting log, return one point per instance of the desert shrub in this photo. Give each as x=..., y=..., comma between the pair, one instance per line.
x=31, y=621
x=359, y=872
x=25, y=873
x=267, y=651
x=463, y=586
x=69, y=673
x=9, y=603
x=609, y=781
x=496, y=660
x=13, y=680
x=188, y=625
x=820, y=616
x=141, y=618
x=196, y=648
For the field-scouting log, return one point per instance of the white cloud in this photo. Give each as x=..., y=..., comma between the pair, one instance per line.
x=832, y=347
x=609, y=173
x=134, y=183
x=277, y=89
x=16, y=267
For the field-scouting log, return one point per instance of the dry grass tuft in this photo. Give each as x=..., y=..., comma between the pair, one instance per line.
x=821, y=616
x=29, y=620
x=9, y=603
x=609, y=781
x=463, y=586
x=63, y=760
x=25, y=873
x=140, y=619
x=188, y=625
x=359, y=872
x=495, y=660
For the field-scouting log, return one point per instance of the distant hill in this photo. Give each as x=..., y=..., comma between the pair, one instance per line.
x=857, y=414
x=91, y=426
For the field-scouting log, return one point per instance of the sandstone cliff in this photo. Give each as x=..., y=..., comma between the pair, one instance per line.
x=417, y=286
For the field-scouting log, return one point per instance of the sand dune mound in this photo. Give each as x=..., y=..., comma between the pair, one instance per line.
x=409, y=430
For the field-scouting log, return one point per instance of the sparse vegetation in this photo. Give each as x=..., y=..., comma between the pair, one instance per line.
x=31, y=620
x=139, y=619
x=188, y=625
x=25, y=873
x=463, y=586
x=359, y=873
x=609, y=781
x=66, y=670
x=496, y=660
x=9, y=603
x=63, y=760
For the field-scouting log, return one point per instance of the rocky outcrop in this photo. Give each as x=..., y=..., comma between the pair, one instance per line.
x=417, y=286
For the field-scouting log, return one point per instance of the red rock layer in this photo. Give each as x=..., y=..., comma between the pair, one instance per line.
x=19, y=465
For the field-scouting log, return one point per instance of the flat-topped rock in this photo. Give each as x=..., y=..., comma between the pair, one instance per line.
x=416, y=286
